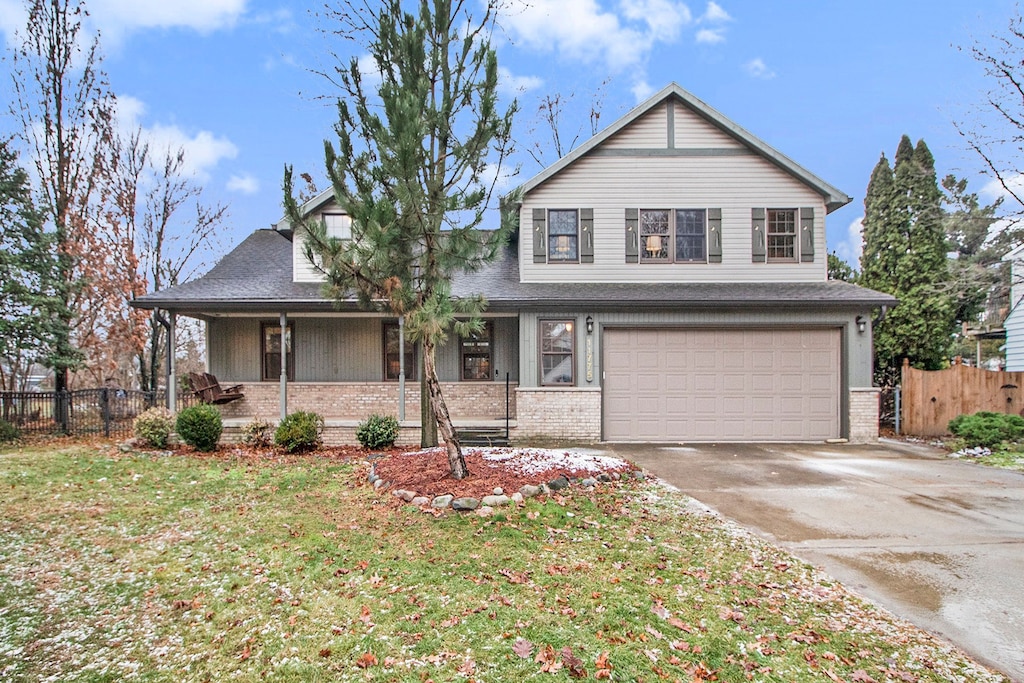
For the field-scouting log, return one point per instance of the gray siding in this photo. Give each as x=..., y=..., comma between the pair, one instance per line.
x=856, y=347
x=1014, y=323
x=338, y=349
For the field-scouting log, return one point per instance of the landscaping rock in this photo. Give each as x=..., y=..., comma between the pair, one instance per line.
x=405, y=495
x=498, y=491
x=558, y=483
x=639, y=475
x=604, y=476
x=529, y=491
x=485, y=511
x=495, y=501
x=465, y=504
x=378, y=484
x=517, y=498
x=373, y=478
x=420, y=501
x=589, y=482
x=441, y=502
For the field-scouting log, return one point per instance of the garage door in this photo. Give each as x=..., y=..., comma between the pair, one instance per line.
x=720, y=385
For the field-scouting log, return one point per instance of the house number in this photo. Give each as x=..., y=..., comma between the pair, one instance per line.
x=590, y=359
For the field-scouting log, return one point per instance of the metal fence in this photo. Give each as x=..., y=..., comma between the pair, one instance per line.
x=104, y=412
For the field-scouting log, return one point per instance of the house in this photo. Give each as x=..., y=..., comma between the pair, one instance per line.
x=668, y=283
x=1014, y=322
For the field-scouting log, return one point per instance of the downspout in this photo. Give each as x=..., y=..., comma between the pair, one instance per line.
x=284, y=366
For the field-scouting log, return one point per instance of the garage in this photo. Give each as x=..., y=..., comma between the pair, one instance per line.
x=678, y=384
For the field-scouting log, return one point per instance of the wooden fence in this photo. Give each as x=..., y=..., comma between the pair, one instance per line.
x=930, y=399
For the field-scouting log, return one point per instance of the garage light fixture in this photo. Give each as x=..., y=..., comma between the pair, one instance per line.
x=862, y=324
x=590, y=325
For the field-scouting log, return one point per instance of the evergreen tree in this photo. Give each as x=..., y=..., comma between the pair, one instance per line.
x=905, y=254
x=838, y=269
x=410, y=168
x=28, y=268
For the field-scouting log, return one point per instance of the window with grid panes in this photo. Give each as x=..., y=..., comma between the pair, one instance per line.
x=781, y=234
x=678, y=236
x=563, y=235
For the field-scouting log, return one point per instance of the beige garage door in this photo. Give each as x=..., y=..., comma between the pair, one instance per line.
x=720, y=385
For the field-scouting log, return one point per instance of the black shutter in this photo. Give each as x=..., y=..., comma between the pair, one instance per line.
x=540, y=236
x=714, y=235
x=758, y=251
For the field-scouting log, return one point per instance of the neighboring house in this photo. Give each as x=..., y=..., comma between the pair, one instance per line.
x=668, y=283
x=1014, y=322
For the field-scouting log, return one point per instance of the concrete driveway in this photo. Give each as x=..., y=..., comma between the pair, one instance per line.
x=936, y=541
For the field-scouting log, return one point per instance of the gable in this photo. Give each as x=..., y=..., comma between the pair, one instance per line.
x=671, y=125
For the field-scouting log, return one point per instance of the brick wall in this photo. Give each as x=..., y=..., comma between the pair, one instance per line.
x=864, y=415
x=357, y=400
x=569, y=414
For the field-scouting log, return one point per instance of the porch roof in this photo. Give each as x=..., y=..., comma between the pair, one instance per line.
x=256, y=277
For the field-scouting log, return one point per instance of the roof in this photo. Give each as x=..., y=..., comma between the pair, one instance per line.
x=834, y=198
x=257, y=277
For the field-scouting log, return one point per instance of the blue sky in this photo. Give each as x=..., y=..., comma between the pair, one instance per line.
x=830, y=84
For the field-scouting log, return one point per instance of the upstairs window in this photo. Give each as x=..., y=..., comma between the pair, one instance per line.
x=781, y=235
x=678, y=236
x=338, y=225
x=563, y=235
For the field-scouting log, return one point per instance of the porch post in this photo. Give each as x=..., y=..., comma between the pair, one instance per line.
x=172, y=385
x=284, y=366
x=401, y=368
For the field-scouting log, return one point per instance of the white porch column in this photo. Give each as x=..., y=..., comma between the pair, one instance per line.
x=172, y=384
x=401, y=368
x=284, y=365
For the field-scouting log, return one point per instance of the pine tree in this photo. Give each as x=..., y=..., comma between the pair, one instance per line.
x=905, y=255
x=410, y=168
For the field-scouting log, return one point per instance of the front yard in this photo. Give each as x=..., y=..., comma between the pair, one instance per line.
x=155, y=567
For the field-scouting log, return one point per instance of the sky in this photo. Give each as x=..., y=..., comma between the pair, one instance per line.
x=832, y=85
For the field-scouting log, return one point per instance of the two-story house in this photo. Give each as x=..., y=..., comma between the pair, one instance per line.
x=668, y=283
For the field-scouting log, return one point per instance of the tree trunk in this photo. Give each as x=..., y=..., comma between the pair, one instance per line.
x=428, y=425
x=441, y=416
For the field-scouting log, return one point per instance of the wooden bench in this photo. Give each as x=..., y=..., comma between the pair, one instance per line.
x=208, y=389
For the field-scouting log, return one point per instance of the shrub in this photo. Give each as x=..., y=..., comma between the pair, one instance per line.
x=377, y=431
x=154, y=426
x=8, y=432
x=299, y=431
x=258, y=433
x=987, y=429
x=200, y=426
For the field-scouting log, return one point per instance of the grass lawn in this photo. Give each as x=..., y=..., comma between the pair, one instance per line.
x=183, y=568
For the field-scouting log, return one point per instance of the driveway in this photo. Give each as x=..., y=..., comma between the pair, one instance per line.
x=937, y=541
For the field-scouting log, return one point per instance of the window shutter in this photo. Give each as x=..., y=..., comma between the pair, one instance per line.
x=540, y=237
x=758, y=252
x=807, y=234
x=632, y=235
x=714, y=235
x=586, y=235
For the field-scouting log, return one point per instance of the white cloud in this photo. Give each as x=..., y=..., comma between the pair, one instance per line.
x=246, y=184
x=850, y=249
x=993, y=189
x=513, y=85
x=642, y=90
x=583, y=31
x=758, y=69
x=715, y=14
x=201, y=15
x=203, y=150
x=711, y=36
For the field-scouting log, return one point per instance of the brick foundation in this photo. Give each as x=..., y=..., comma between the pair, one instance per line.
x=563, y=414
x=864, y=415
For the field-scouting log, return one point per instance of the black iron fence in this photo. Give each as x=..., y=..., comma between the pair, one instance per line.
x=103, y=412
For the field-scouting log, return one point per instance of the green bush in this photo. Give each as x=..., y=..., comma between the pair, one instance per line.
x=377, y=431
x=8, y=432
x=987, y=429
x=154, y=426
x=258, y=433
x=200, y=426
x=299, y=431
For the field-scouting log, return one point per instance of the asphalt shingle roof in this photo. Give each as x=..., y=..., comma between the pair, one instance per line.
x=257, y=276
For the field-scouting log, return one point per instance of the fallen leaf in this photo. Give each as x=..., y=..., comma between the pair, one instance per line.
x=861, y=676
x=326, y=652
x=523, y=648
x=366, y=660
x=548, y=660
x=573, y=663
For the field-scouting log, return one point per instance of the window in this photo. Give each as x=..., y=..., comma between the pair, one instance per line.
x=678, y=236
x=781, y=235
x=392, y=364
x=557, y=352
x=271, y=351
x=475, y=352
x=563, y=235
x=338, y=225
